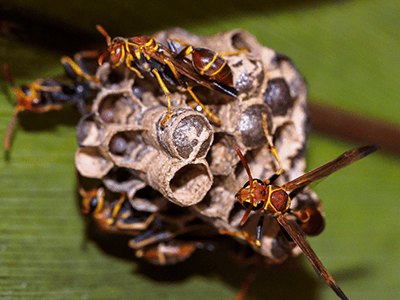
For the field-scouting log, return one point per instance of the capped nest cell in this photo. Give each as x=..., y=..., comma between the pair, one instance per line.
x=191, y=160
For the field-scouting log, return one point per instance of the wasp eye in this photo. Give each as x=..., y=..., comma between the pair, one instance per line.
x=116, y=54
x=259, y=181
x=259, y=205
x=255, y=181
x=246, y=204
x=26, y=91
x=93, y=204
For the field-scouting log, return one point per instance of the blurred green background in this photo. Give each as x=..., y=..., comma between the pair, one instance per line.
x=349, y=53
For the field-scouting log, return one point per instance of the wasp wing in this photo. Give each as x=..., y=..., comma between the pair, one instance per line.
x=184, y=68
x=311, y=256
x=342, y=161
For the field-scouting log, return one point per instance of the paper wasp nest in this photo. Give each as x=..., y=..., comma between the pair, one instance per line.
x=191, y=161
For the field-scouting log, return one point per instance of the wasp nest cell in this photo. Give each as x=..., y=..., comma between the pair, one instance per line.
x=190, y=160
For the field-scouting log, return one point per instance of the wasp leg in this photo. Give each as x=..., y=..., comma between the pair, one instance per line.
x=74, y=71
x=209, y=113
x=88, y=54
x=116, y=209
x=44, y=88
x=142, y=240
x=271, y=145
x=47, y=108
x=137, y=225
x=148, y=237
x=243, y=235
x=234, y=52
x=259, y=230
x=251, y=277
x=167, y=94
x=7, y=138
x=129, y=59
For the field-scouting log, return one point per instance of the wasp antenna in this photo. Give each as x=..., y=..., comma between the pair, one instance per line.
x=239, y=153
x=246, y=215
x=9, y=131
x=10, y=128
x=7, y=74
x=82, y=191
x=366, y=150
x=104, y=32
x=246, y=166
x=101, y=57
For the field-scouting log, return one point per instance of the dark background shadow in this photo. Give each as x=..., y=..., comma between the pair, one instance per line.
x=128, y=18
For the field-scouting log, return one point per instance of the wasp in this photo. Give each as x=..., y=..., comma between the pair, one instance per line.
x=271, y=200
x=113, y=216
x=153, y=235
x=143, y=53
x=44, y=95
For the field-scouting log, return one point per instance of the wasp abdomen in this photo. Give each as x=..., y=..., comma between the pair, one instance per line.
x=210, y=64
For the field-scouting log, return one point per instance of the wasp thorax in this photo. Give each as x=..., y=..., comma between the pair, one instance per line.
x=142, y=40
x=279, y=200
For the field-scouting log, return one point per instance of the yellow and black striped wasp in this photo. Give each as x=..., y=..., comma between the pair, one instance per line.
x=155, y=237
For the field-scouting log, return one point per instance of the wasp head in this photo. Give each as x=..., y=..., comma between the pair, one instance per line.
x=116, y=48
x=93, y=201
